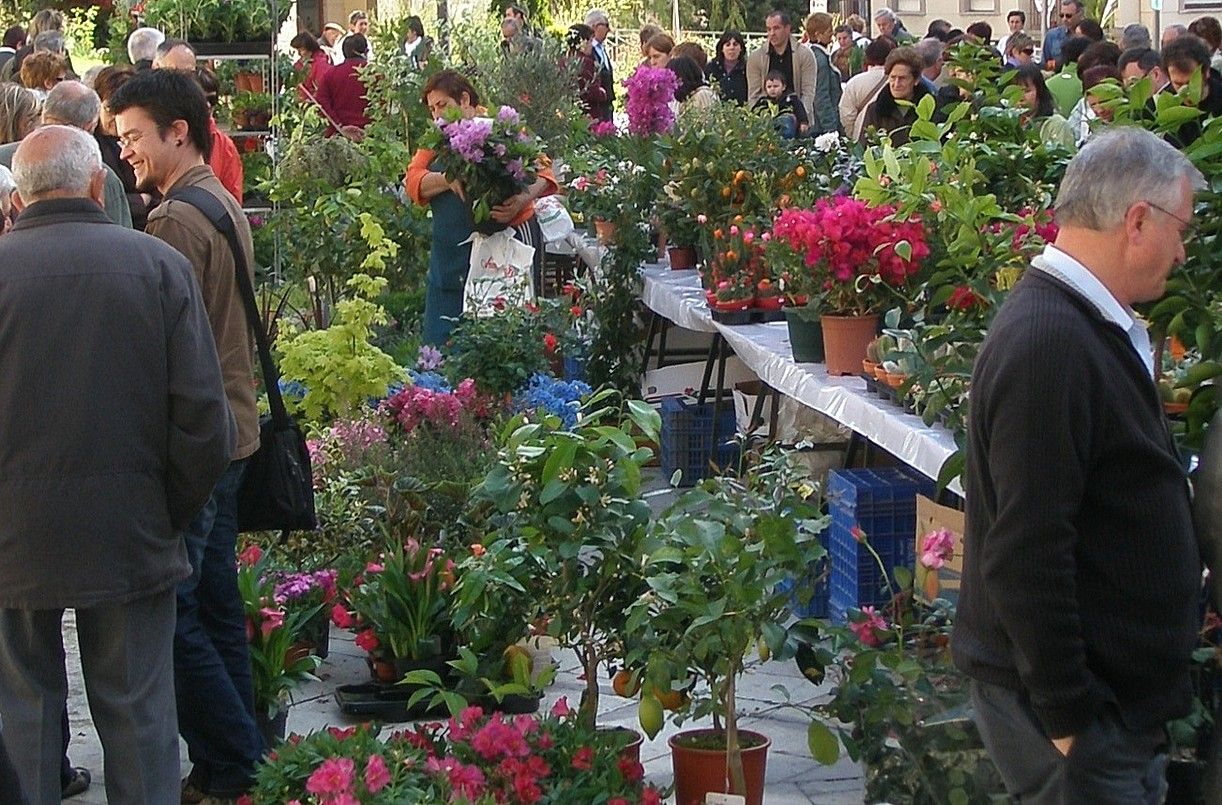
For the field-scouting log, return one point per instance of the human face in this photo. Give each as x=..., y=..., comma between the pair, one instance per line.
x=731, y=50
x=1096, y=105
x=1182, y=78
x=601, y=30
x=586, y=46
x=886, y=26
x=778, y=34
x=1070, y=15
x=1022, y=55
x=844, y=39
x=774, y=88
x=901, y=81
x=156, y=159
x=438, y=102
x=1030, y=97
x=658, y=59
x=329, y=36
x=1158, y=245
x=359, y=27
x=1015, y=22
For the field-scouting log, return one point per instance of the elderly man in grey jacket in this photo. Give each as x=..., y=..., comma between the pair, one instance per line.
x=113, y=430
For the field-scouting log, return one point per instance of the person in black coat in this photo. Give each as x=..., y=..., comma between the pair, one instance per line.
x=728, y=69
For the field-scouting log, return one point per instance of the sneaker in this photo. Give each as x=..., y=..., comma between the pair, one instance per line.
x=79, y=783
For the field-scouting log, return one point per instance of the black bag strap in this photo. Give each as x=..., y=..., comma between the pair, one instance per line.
x=215, y=211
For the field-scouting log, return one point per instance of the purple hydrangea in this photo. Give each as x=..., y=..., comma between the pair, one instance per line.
x=516, y=170
x=507, y=114
x=467, y=137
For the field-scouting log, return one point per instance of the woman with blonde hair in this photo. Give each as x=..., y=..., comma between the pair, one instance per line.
x=18, y=113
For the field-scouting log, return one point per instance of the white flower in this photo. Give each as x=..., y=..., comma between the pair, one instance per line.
x=826, y=143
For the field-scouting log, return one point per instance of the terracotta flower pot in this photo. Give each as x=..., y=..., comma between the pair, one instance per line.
x=869, y=367
x=382, y=670
x=845, y=339
x=605, y=231
x=682, y=258
x=248, y=82
x=703, y=771
x=896, y=379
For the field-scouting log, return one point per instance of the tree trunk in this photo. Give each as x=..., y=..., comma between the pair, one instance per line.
x=588, y=711
x=734, y=754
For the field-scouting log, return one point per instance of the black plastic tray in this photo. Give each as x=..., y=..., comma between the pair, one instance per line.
x=388, y=702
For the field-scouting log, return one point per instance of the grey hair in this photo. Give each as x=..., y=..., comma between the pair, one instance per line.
x=1135, y=35
x=72, y=104
x=50, y=42
x=1116, y=169
x=68, y=168
x=885, y=13
x=1078, y=4
x=930, y=49
x=596, y=16
x=7, y=186
x=1179, y=29
x=142, y=44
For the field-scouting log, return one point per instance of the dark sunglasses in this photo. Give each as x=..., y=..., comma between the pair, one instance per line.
x=1029, y=51
x=1068, y=16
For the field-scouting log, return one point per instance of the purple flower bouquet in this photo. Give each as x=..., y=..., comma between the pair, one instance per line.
x=493, y=158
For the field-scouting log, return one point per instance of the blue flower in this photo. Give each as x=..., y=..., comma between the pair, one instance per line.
x=430, y=380
x=557, y=397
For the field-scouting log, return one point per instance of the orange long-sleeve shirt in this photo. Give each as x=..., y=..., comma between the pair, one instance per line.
x=424, y=157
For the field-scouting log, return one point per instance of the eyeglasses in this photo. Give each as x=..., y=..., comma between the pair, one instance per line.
x=1068, y=16
x=1190, y=227
x=130, y=139
x=1029, y=51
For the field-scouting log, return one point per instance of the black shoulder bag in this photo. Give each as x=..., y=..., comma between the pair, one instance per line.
x=277, y=493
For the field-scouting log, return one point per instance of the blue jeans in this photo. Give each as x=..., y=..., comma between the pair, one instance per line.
x=212, y=676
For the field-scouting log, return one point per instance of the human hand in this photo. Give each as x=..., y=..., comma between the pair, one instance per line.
x=510, y=208
x=1063, y=745
x=456, y=187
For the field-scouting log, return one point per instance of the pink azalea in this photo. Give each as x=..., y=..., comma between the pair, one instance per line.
x=367, y=640
x=341, y=617
x=937, y=549
x=377, y=776
x=333, y=776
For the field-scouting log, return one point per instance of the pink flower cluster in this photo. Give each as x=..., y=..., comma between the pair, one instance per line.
x=334, y=781
x=413, y=405
x=650, y=92
x=1040, y=223
x=603, y=128
x=869, y=626
x=937, y=549
x=846, y=238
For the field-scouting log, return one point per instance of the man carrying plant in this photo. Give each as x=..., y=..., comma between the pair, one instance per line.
x=162, y=120
x=113, y=429
x=1078, y=610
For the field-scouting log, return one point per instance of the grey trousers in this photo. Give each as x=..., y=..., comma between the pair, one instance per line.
x=1108, y=763
x=127, y=660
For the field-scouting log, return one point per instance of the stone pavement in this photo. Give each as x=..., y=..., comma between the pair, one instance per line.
x=793, y=777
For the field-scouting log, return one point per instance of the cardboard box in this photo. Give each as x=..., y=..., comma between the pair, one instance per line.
x=684, y=378
x=943, y=582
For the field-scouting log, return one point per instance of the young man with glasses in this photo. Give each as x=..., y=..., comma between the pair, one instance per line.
x=1070, y=15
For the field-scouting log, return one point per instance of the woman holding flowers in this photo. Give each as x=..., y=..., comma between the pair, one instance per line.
x=453, y=217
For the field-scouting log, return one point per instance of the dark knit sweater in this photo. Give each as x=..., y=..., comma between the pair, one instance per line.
x=1081, y=572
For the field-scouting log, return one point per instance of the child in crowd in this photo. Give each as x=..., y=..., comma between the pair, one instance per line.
x=786, y=107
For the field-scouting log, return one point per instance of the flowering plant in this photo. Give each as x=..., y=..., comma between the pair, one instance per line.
x=736, y=261
x=271, y=632
x=546, y=395
x=852, y=251
x=494, y=158
x=399, y=608
x=474, y=757
x=600, y=193
x=500, y=352
x=650, y=93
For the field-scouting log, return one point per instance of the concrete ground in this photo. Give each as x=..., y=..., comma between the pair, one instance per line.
x=793, y=778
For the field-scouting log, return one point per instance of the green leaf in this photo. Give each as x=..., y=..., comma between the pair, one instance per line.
x=552, y=490
x=645, y=417
x=823, y=744
x=560, y=459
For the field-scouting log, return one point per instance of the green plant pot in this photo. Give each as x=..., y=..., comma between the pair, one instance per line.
x=805, y=335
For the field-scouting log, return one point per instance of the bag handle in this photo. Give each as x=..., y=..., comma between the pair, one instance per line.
x=215, y=212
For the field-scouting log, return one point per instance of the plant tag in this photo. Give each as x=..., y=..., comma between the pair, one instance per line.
x=724, y=799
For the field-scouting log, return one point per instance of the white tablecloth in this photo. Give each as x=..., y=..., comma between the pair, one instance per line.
x=764, y=348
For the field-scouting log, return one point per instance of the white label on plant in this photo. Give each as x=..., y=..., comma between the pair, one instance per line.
x=724, y=799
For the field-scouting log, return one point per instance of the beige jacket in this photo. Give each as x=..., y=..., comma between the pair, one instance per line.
x=858, y=92
x=805, y=71
x=186, y=229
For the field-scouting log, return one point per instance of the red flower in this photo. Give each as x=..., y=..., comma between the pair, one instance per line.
x=576, y=310
x=549, y=343
x=341, y=617
x=250, y=556
x=583, y=758
x=631, y=769
x=342, y=734
x=650, y=796
x=964, y=299
x=367, y=640
x=857, y=533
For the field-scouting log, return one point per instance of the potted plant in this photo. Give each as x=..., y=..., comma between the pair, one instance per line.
x=272, y=633
x=571, y=500
x=312, y=593
x=717, y=562
x=599, y=196
x=247, y=24
x=251, y=111
x=857, y=254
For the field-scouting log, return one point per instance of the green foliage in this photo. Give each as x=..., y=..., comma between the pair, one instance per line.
x=573, y=500
x=216, y=20
x=338, y=366
x=499, y=352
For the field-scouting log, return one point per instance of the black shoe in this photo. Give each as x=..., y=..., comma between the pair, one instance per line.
x=79, y=783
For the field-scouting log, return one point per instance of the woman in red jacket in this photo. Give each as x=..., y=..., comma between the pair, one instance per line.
x=341, y=93
x=313, y=59
x=591, y=94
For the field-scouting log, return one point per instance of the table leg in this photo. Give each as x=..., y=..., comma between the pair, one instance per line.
x=714, y=352
x=653, y=330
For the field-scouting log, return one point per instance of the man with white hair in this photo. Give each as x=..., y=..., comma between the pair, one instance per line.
x=100, y=325
x=1078, y=610
x=1134, y=35
x=600, y=24
x=142, y=47
x=174, y=54
x=888, y=24
x=1171, y=33
x=71, y=103
x=7, y=186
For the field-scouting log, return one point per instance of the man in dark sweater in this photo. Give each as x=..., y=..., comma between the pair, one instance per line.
x=1081, y=574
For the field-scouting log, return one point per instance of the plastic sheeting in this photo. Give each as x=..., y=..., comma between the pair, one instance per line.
x=764, y=348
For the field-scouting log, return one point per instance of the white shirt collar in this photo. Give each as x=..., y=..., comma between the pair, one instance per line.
x=1077, y=276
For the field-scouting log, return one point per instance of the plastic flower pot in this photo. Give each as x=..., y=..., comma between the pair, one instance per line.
x=632, y=750
x=382, y=670
x=732, y=305
x=770, y=302
x=845, y=339
x=805, y=336
x=682, y=258
x=699, y=761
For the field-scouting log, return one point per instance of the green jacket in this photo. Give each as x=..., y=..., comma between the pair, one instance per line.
x=1066, y=89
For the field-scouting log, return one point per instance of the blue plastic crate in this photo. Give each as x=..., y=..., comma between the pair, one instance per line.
x=575, y=368
x=687, y=438
x=808, y=594
x=882, y=504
